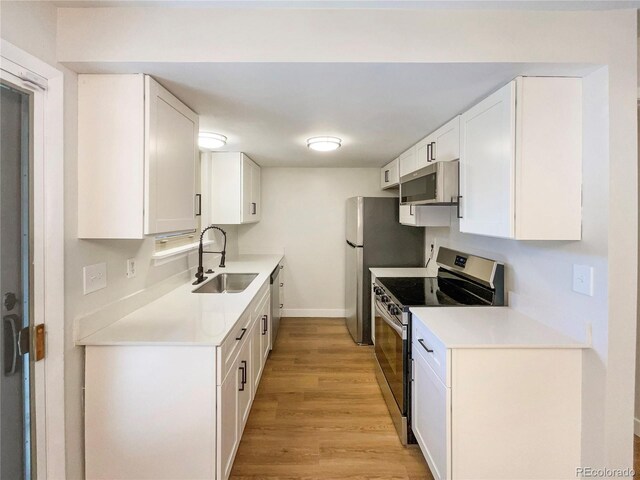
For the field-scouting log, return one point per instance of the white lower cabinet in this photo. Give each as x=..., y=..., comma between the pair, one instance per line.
x=173, y=412
x=430, y=419
x=496, y=413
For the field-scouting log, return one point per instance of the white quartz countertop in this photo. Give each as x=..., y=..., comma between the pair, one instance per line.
x=185, y=318
x=490, y=327
x=400, y=272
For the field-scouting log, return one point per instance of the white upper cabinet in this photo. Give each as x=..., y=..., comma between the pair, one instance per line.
x=137, y=154
x=520, y=161
x=425, y=216
x=445, y=142
x=443, y=145
x=390, y=174
x=407, y=161
x=230, y=188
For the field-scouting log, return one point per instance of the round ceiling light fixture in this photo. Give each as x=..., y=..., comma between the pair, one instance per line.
x=324, y=144
x=210, y=141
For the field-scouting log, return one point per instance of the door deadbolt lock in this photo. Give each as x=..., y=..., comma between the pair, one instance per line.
x=10, y=301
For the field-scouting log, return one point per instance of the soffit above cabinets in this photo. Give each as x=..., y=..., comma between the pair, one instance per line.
x=269, y=110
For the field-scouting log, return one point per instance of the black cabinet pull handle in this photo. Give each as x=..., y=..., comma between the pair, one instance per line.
x=199, y=204
x=421, y=342
x=253, y=208
x=244, y=330
x=458, y=207
x=264, y=324
x=386, y=176
x=411, y=212
x=428, y=152
x=432, y=155
x=243, y=378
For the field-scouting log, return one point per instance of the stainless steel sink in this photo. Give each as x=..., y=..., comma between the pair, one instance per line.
x=227, y=283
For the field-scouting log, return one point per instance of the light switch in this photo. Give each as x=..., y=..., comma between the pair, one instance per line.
x=95, y=277
x=583, y=279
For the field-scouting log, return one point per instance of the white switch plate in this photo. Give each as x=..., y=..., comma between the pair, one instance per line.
x=95, y=277
x=131, y=268
x=583, y=279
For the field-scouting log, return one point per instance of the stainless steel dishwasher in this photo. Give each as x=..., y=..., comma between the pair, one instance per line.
x=275, y=304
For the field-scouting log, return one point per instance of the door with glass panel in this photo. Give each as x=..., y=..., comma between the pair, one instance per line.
x=15, y=281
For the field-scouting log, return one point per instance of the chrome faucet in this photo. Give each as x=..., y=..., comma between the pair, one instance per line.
x=200, y=273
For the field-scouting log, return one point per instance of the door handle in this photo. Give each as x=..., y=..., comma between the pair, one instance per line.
x=421, y=342
x=11, y=347
x=458, y=214
x=432, y=155
x=243, y=377
x=411, y=212
x=253, y=208
x=244, y=330
x=264, y=324
x=429, y=152
x=386, y=176
x=198, y=204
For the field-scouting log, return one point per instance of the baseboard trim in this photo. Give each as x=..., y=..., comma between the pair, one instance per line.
x=636, y=426
x=313, y=312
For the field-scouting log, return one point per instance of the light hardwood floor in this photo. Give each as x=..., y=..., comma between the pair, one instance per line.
x=319, y=413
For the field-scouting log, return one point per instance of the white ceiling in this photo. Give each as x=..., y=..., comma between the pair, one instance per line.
x=268, y=110
x=434, y=4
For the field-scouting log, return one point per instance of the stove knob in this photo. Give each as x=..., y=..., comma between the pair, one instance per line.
x=393, y=310
x=384, y=299
x=377, y=290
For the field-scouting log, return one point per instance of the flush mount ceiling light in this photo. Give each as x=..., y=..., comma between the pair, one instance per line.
x=209, y=141
x=324, y=144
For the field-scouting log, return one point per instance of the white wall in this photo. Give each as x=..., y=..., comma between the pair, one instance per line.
x=304, y=216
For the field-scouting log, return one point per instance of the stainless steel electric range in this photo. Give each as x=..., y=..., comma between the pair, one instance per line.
x=463, y=280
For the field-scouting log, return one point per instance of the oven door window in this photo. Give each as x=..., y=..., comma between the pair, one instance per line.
x=420, y=189
x=390, y=354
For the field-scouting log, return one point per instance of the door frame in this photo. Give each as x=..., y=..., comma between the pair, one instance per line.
x=48, y=271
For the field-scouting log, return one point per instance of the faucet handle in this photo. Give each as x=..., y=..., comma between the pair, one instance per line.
x=209, y=271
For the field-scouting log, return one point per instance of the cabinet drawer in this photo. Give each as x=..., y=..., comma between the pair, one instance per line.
x=431, y=348
x=229, y=349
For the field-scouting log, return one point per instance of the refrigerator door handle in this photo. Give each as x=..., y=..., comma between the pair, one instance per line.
x=353, y=245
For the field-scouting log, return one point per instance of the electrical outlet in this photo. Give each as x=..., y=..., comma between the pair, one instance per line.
x=583, y=279
x=94, y=277
x=131, y=268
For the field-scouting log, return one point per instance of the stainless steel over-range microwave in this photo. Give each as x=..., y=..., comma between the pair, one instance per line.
x=435, y=184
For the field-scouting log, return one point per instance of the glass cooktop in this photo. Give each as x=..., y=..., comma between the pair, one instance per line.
x=446, y=289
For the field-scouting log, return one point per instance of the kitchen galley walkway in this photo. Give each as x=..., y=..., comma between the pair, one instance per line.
x=319, y=413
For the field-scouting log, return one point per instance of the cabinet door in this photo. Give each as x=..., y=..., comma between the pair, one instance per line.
x=245, y=194
x=408, y=214
x=255, y=193
x=265, y=324
x=423, y=152
x=245, y=392
x=430, y=422
x=256, y=353
x=446, y=142
x=407, y=162
x=171, y=153
x=487, y=160
x=389, y=175
x=228, y=421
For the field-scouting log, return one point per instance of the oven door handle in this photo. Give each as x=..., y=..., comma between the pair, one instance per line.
x=397, y=328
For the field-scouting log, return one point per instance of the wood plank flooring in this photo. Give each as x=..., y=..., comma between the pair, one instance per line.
x=319, y=413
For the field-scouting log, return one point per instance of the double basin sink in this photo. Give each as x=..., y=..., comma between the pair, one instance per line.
x=227, y=283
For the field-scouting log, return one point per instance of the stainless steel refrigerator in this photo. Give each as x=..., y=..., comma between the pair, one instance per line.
x=375, y=238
